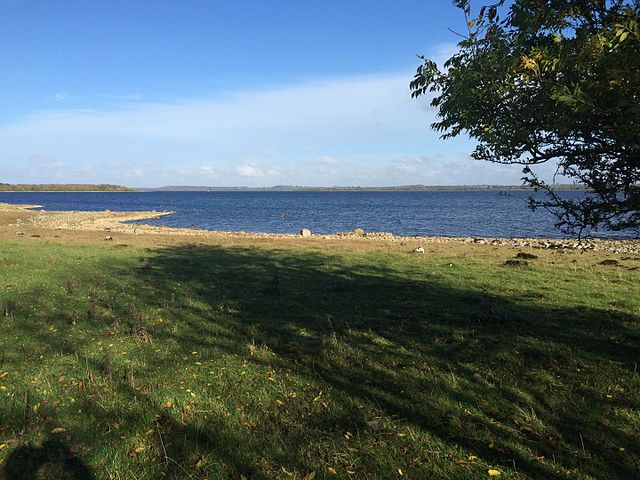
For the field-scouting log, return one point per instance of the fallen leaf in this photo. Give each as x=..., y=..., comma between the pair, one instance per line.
x=494, y=473
x=136, y=451
x=471, y=458
x=58, y=430
x=331, y=471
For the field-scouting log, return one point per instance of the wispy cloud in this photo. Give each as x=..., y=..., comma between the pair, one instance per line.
x=352, y=131
x=123, y=96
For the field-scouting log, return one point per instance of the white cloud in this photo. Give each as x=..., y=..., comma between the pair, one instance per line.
x=327, y=160
x=250, y=171
x=123, y=96
x=347, y=131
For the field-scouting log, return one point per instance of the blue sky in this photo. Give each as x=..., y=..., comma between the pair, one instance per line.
x=256, y=93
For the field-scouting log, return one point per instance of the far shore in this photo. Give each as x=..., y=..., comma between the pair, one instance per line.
x=279, y=188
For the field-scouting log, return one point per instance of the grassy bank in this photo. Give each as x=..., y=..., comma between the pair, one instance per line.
x=202, y=361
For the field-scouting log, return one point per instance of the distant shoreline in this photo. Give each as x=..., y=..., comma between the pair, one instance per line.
x=62, y=187
x=400, y=188
x=93, y=188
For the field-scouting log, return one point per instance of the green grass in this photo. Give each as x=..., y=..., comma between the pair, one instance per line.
x=207, y=362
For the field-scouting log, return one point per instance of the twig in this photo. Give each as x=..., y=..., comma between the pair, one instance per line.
x=164, y=450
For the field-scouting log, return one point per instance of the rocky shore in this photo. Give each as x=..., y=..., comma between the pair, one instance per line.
x=114, y=222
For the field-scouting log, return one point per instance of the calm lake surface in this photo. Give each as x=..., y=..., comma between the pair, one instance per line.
x=478, y=213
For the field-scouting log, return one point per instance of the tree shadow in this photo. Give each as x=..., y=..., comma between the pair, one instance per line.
x=452, y=363
x=27, y=462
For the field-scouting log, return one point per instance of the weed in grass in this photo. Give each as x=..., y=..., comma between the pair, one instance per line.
x=114, y=327
x=8, y=309
x=611, y=262
x=129, y=376
x=94, y=298
x=107, y=368
x=274, y=287
x=112, y=302
x=526, y=256
x=73, y=317
x=140, y=332
x=70, y=285
x=512, y=262
x=224, y=306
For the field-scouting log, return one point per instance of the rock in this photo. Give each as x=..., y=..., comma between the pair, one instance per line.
x=419, y=250
x=359, y=232
x=108, y=237
x=305, y=232
x=20, y=234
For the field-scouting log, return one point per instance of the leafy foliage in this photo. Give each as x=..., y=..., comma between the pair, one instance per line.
x=554, y=80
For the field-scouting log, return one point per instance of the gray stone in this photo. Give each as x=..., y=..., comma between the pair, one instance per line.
x=108, y=237
x=305, y=232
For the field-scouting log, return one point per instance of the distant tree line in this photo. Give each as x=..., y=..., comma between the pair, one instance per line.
x=61, y=187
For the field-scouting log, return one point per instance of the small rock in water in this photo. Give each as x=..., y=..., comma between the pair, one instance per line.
x=108, y=237
x=419, y=250
x=305, y=232
x=359, y=231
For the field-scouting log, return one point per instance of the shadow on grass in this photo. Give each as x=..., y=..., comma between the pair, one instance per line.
x=459, y=367
x=27, y=463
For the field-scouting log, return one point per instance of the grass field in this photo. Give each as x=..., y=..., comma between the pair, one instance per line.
x=201, y=361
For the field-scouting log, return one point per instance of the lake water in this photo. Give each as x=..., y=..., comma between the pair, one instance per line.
x=477, y=213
